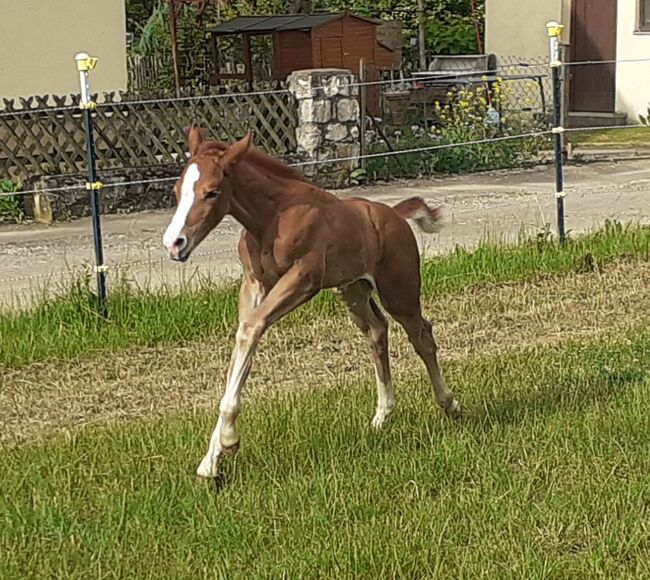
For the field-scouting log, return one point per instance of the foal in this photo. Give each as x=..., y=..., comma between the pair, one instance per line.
x=298, y=240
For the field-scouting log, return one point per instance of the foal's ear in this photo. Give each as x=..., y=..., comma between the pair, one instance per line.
x=235, y=153
x=194, y=137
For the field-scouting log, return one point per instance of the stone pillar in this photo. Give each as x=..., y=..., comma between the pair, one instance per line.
x=328, y=123
x=38, y=205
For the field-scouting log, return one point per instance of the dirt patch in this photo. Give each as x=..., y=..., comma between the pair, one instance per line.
x=65, y=396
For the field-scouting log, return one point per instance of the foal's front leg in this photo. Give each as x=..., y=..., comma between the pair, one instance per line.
x=292, y=290
x=251, y=294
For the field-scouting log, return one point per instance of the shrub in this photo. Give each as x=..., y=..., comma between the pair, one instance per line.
x=468, y=115
x=11, y=206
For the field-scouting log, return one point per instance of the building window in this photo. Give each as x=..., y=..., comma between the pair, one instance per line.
x=644, y=16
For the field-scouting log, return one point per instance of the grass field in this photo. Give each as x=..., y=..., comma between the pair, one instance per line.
x=547, y=475
x=623, y=138
x=66, y=324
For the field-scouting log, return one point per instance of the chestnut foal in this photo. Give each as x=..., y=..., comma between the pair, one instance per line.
x=298, y=240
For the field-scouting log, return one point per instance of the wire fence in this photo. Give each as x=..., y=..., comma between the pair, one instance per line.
x=532, y=134
x=71, y=271
x=510, y=63
x=424, y=149
x=492, y=74
x=88, y=269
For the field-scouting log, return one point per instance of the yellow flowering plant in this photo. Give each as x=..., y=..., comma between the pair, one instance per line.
x=468, y=115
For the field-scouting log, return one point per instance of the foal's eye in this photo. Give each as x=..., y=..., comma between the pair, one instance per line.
x=212, y=193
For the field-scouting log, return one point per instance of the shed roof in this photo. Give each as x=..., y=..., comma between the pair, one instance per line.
x=268, y=24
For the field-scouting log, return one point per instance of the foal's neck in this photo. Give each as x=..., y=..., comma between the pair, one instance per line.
x=256, y=198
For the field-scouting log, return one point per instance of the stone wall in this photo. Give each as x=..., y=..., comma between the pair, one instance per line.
x=127, y=198
x=119, y=199
x=328, y=123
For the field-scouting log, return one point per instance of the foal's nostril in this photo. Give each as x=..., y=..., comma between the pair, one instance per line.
x=180, y=242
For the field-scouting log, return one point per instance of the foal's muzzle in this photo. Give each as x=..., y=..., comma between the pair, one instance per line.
x=179, y=249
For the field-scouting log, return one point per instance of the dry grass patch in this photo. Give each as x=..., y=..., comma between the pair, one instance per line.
x=63, y=396
x=546, y=477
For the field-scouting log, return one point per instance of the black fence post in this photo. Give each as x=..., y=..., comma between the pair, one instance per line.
x=554, y=31
x=85, y=64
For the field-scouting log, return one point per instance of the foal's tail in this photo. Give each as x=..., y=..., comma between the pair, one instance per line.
x=415, y=208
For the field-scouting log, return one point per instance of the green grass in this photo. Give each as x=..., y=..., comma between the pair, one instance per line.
x=68, y=325
x=632, y=137
x=547, y=477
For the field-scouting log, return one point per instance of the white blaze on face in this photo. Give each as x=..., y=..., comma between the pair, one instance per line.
x=177, y=224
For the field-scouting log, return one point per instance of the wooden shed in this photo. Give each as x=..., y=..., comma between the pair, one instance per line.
x=337, y=40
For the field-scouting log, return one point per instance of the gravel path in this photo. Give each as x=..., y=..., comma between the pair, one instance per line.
x=504, y=204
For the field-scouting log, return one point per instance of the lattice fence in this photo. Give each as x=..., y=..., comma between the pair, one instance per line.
x=533, y=94
x=525, y=83
x=37, y=137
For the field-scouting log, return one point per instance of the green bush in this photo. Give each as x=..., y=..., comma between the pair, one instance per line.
x=11, y=206
x=467, y=116
x=451, y=34
x=449, y=28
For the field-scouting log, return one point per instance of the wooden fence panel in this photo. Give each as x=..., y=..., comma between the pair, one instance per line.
x=41, y=137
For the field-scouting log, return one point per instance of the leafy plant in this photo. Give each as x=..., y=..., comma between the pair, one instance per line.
x=452, y=34
x=11, y=206
x=469, y=115
x=358, y=176
x=449, y=27
x=137, y=13
x=645, y=119
x=154, y=34
x=152, y=47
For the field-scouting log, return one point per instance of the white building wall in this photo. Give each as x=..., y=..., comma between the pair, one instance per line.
x=518, y=27
x=632, y=78
x=39, y=39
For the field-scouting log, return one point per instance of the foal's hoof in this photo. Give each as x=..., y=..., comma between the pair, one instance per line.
x=207, y=470
x=205, y=480
x=379, y=420
x=453, y=409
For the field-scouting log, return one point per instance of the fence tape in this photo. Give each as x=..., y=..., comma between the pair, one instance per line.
x=422, y=149
x=25, y=112
x=82, y=185
x=611, y=61
x=606, y=128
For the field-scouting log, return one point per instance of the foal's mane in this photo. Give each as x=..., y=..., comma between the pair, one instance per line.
x=263, y=162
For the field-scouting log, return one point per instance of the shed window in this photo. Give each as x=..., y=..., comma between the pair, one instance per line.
x=644, y=15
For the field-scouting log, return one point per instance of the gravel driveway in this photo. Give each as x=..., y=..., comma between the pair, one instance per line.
x=502, y=204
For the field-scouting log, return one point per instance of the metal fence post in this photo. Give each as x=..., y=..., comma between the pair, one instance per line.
x=554, y=31
x=85, y=64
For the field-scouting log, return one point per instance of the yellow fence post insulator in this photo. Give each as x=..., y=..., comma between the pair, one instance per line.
x=554, y=30
x=85, y=63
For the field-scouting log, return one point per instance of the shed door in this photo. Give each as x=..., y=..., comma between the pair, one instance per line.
x=331, y=52
x=593, y=37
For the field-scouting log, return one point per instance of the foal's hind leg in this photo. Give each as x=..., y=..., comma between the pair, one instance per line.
x=420, y=335
x=398, y=284
x=365, y=313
